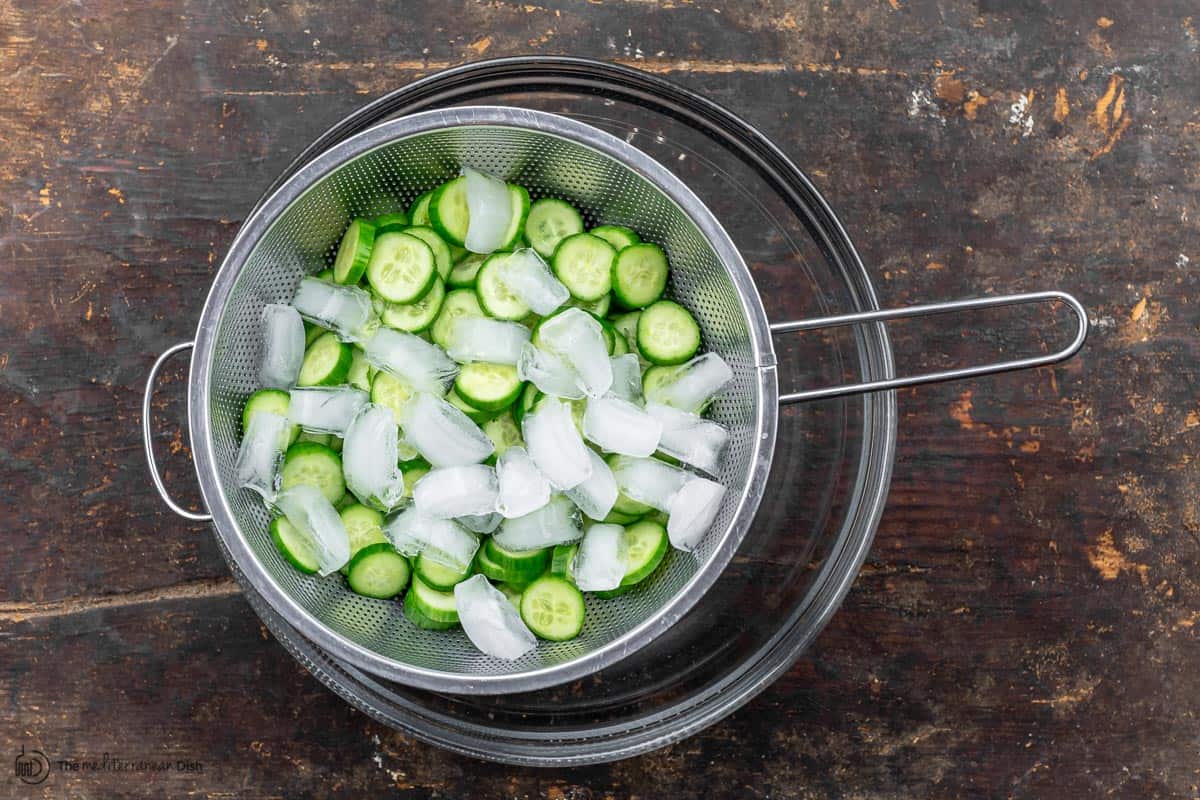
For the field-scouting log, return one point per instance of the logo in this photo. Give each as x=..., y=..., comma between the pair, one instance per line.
x=32, y=767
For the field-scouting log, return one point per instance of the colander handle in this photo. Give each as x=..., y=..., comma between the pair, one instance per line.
x=930, y=310
x=147, y=435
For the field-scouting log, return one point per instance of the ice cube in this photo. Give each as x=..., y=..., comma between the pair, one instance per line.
x=695, y=441
x=420, y=364
x=325, y=409
x=557, y=522
x=596, y=495
x=442, y=541
x=548, y=372
x=448, y=492
x=619, y=426
x=315, y=519
x=526, y=275
x=490, y=206
x=627, y=378
x=692, y=511
x=262, y=448
x=523, y=487
x=481, y=523
x=346, y=310
x=648, y=480
x=600, y=563
x=445, y=436
x=555, y=445
x=576, y=337
x=490, y=621
x=283, y=346
x=369, y=458
x=491, y=340
x=693, y=384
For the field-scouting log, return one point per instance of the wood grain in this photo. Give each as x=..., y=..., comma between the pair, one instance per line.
x=1026, y=624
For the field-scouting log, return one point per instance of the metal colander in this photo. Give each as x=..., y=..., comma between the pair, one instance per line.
x=296, y=231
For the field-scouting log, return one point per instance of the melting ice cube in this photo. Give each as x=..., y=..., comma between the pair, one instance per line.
x=555, y=445
x=575, y=336
x=325, y=409
x=523, y=487
x=527, y=276
x=420, y=364
x=557, y=522
x=315, y=519
x=548, y=372
x=619, y=426
x=692, y=439
x=692, y=511
x=490, y=621
x=346, y=310
x=445, y=436
x=457, y=491
x=600, y=563
x=596, y=495
x=283, y=346
x=693, y=384
x=369, y=458
x=442, y=541
x=648, y=480
x=262, y=448
x=492, y=340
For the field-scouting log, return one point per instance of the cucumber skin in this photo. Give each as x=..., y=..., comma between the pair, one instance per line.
x=341, y=368
x=436, y=221
x=286, y=551
x=418, y=618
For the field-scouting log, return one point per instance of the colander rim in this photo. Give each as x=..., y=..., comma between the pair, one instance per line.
x=258, y=224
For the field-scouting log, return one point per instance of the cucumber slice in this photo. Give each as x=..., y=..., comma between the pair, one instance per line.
x=503, y=432
x=627, y=325
x=354, y=252
x=418, y=618
x=584, y=263
x=389, y=391
x=395, y=222
x=494, y=297
x=488, y=387
x=562, y=559
x=620, y=344
x=476, y=415
x=549, y=222
x=639, y=275
x=645, y=547
x=520, y=213
x=667, y=333
x=359, y=374
x=294, y=548
x=529, y=398
x=464, y=273
x=364, y=526
x=596, y=307
x=434, y=605
x=412, y=474
x=312, y=464
x=418, y=316
x=459, y=303
x=514, y=566
x=312, y=333
x=617, y=518
x=378, y=571
x=448, y=211
x=610, y=335
x=418, y=212
x=438, y=576
x=325, y=275
x=552, y=608
x=274, y=401
x=618, y=236
x=441, y=251
x=327, y=362
x=402, y=268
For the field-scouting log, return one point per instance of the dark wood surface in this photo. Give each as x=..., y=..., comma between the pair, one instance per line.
x=1026, y=625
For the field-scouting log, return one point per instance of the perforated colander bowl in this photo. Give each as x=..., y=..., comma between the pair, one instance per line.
x=295, y=232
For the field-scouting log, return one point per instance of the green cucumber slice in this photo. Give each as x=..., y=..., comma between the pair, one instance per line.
x=312, y=464
x=520, y=213
x=359, y=374
x=434, y=605
x=448, y=211
x=529, y=398
x=394, y=222
x=378, y=571
x=488, y=387
x=503, y=432
x=418, y=316
x=494, y=297
x=327, y=362
x=402, y=268
x=465, y=272
x=549, y=222
x=274, y=401
x=639, y=275
x=645, y=547
x=667, y=333
x=562, y=559
x=458, y=303
x=552, y=608
x=476, y=415
x=354, y=252
x=438, y=576
x=442, y=256
x=389, y=391
x=618, y=236
x=584, y=264
x=418, y=212
x=294, y=548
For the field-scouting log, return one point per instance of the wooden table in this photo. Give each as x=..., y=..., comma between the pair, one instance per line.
x=1027, y=623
